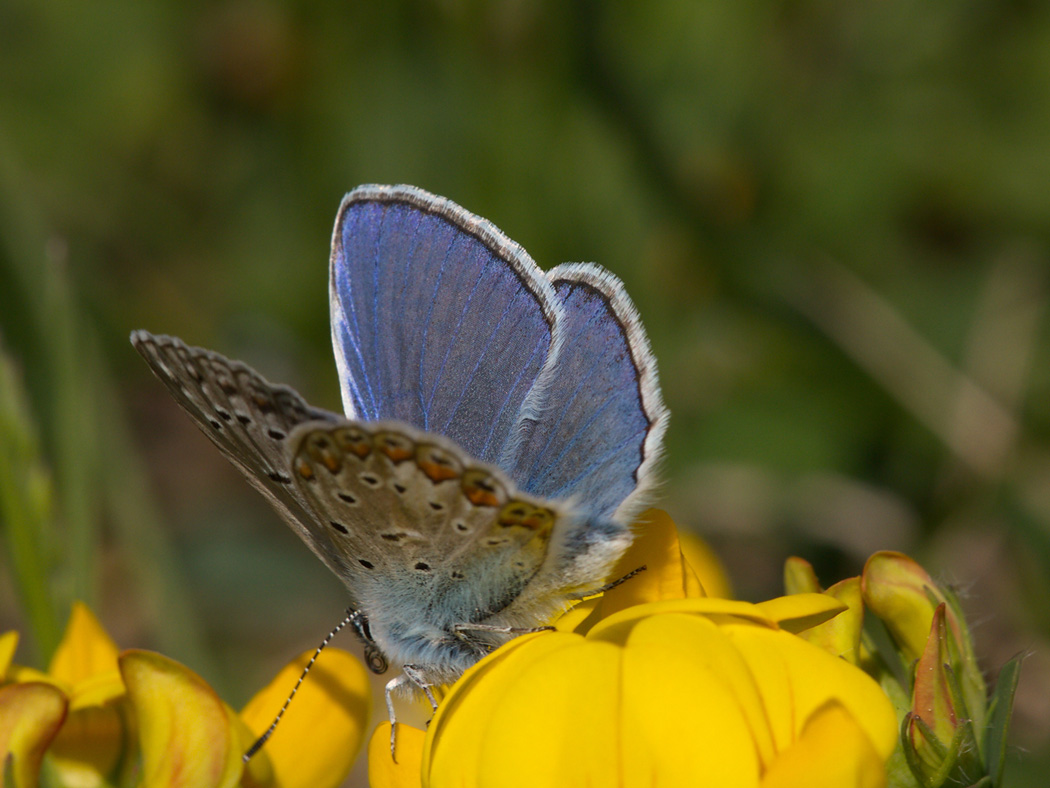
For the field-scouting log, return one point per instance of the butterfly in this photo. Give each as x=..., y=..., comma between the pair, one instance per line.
x=501, y=429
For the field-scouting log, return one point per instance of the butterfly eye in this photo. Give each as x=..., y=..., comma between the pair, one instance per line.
x=437, y=464
x=353, y=440
x=397, y=447
x=321, y=449
x=482, y=488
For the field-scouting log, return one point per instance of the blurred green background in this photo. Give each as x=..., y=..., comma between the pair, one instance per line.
x=833, y=217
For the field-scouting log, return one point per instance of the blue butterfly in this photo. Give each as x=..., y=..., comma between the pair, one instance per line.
x=502, y=427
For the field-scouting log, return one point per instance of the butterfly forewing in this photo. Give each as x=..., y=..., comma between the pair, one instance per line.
x=438, y=319
x=247, y=417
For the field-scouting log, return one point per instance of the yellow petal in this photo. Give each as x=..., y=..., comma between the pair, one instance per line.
x=841, y=635
x=799, y=577
x=30, y=716
x=319, y=736
x=186, y=732
x=674, y=668
x=88, y=748
x=795, y=678
x=558, y=709
x=798, y=612
x=8, y=644
x=711, y=607
x=706, y=564
x=405, y=771
x=97, y=690
x=667, y=575
x=574, y=618
x=473, y=696
x=86, y=659
x=501, y=727
x=258, y=772
x=833, y=751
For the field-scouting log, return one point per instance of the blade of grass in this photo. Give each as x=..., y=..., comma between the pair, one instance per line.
x=25, y=510
x=879, y=339
x=40, y=318
x=998, y=728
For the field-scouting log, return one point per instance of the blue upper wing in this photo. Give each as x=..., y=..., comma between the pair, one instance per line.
x=438, y=319
x=601, y=428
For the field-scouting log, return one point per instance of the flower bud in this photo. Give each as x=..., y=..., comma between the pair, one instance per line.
x=902, y=594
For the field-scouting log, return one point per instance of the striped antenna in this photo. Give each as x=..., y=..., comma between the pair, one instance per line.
x=350, y=616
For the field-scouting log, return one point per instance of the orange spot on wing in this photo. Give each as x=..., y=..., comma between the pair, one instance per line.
x=353, y=440
x=482, y=489
x=397, y=447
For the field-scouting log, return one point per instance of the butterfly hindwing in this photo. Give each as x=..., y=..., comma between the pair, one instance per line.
x=603, y=419
x=431, y=539
x=438, y=319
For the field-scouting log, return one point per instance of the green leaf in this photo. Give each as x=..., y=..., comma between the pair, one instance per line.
x=998, y=724
x=26, y=502
x=972, y=686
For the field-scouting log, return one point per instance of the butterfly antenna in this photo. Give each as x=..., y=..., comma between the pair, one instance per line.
x=621, y=580
x=610, y=586
x=350, y=616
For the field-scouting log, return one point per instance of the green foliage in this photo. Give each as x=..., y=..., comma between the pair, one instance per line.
x=26, y=509
x=1000, y=713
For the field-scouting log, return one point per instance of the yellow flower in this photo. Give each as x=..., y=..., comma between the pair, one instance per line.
x=88, y=747
x=658, y=695
x=662, y=692
x=139, y=718
x=320, y=736
x=31, y=714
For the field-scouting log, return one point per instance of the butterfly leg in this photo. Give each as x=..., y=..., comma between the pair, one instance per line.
x=461, y=628
x=391, y=686
x=415, y=675
x=410, y=675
